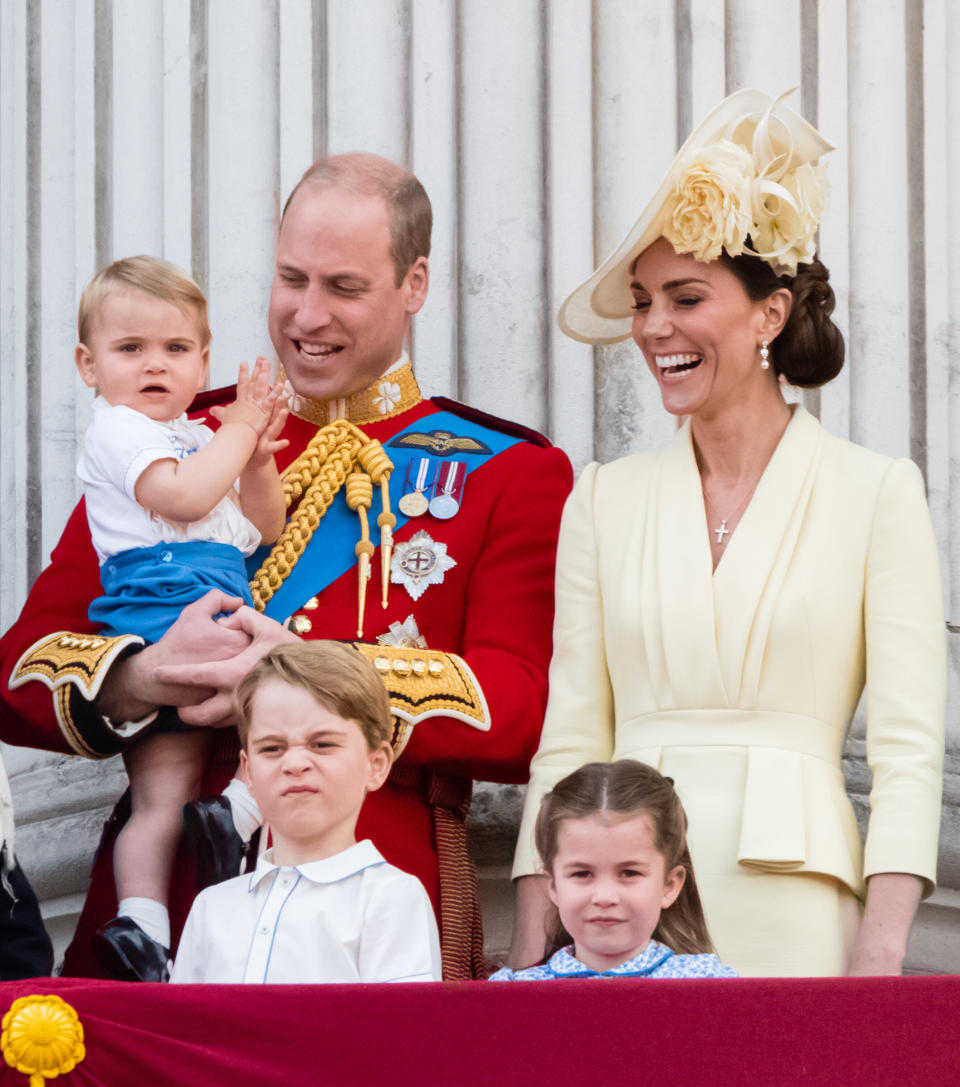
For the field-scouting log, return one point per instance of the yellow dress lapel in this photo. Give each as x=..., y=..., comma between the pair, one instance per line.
x=749, y=577
x=677, y=601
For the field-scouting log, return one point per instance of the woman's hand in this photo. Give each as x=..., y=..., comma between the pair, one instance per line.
x=530, y=925
x=892, y=899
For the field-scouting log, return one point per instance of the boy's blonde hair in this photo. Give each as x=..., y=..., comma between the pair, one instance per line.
x=152, y=276
x=336, y=675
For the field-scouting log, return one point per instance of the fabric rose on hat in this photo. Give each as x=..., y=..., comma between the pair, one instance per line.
x=785, y=216
x=710, y=207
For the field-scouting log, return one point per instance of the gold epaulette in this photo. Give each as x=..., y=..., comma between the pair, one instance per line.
x=424, y=683
x=63, y=662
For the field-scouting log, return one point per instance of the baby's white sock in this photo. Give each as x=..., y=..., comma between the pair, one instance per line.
x=243, y=808
x=151, y=916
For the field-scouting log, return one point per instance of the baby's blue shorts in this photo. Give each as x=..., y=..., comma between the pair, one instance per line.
x=146, y=588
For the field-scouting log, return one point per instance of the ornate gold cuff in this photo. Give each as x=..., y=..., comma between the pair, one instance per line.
x=71, y=664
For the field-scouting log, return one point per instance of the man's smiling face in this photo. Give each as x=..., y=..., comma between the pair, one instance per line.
x=337, y=317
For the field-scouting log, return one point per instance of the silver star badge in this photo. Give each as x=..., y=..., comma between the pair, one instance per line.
x=405, y=635
x=419, y=563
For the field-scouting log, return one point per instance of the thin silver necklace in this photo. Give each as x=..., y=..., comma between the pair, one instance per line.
x=721, y=530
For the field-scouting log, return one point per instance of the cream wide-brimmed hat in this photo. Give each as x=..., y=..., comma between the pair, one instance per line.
x=750, y=168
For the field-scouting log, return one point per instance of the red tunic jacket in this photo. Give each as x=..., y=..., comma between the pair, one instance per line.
x=494, y=609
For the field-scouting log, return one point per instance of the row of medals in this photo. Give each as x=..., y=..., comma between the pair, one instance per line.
x=444, y=502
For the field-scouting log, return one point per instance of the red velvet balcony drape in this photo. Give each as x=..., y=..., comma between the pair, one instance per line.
x=897, y=1031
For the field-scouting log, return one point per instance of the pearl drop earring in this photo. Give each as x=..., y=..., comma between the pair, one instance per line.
x=764, y=355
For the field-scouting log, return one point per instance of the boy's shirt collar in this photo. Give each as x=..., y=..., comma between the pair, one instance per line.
x=347, y=862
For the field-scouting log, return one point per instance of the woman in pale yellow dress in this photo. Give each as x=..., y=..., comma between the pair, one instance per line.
x=723, y=602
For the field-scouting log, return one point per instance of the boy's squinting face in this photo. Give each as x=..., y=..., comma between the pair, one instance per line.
x=144, y=353
x=309, y=770
x=609, y=884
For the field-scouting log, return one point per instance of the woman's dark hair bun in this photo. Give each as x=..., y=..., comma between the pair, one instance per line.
x=809, y=350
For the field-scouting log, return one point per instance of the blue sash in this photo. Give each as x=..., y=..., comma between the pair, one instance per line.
x=330, y=552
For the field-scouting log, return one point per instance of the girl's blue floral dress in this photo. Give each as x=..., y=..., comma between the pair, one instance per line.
x=655, y=961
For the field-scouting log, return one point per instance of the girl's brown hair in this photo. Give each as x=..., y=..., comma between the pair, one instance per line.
x=627, y=788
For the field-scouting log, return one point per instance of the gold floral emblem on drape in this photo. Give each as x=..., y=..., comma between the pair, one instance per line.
x=42, y=1038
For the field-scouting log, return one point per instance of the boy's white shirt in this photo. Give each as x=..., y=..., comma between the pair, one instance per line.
x=349, y=917
x=119, y=444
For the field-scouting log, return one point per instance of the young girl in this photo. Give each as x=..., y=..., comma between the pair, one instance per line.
x=173, y=509
x=612, y=839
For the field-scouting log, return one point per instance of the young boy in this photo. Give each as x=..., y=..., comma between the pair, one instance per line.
x=314, y=725
x=173, y=509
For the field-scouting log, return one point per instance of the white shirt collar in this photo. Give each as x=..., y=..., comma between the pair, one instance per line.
x=347, y=862
x=100, y=403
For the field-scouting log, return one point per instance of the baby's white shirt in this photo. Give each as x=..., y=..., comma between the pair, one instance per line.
x=119, y=444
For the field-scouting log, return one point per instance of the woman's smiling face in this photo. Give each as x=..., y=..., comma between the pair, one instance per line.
x=698, y=329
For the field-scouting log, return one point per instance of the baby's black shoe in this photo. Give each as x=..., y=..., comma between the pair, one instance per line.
x=127, y=953
x=210, y=829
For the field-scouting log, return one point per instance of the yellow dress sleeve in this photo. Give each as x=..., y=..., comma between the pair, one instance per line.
x=579, y=723
x=905, y=680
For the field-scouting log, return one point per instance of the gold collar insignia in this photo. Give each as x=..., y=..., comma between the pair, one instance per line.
x=393, y=393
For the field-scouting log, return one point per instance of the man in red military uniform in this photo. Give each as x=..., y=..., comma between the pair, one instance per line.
x=433, y=550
